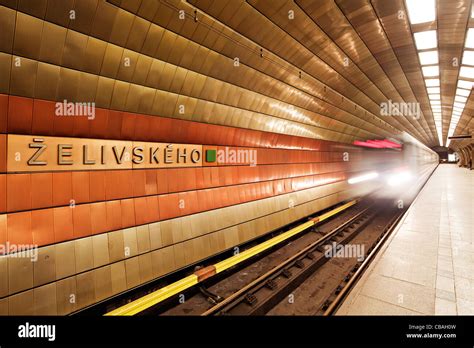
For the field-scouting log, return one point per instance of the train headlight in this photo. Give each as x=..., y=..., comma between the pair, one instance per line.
x=364, y=177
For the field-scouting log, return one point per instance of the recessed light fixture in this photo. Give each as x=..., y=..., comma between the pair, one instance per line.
x=421, y=11
x=433, y=90
x=463, y=92
x=468, y=57
x=429, y=71
x=465, y=84
x=428, y=57
x=466, y=72
x=426, y=39
x=432, y=82
x=470, y=38
x=461, y=99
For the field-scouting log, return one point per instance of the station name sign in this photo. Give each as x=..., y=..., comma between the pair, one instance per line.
x=26, y=153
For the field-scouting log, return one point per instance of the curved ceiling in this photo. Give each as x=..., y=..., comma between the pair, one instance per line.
x=313, y=68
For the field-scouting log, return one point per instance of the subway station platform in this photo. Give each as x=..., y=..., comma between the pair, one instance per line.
x=427, y=265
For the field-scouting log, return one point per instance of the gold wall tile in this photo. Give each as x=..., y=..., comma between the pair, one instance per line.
x=58, y=11
x=146, y=268
x=22, y=303
x=65, y=259
x=85, y=11
x=143, y=238
x=119, y=277
x=45, y=300
x=119, y=96
x=103, y=283
x=132, y=269
x=27, y=36
x=116, y=246
x=105, y=89
x=148, y=9
x=85, y=289
x=44, y=269
x=155, y=235
x=5, y=69
x=84, y=254
x=7, y=29
x=47, y=81
x=68, y=84
x=152, y=40
x=127, y=65
x=130, y=241
x=23, y=76
x=74, y=49
x=3, y=276
x=52, y=43
x=100, y=245
x=66, y=295
x=112, y=60
x=146, y=101
x=4, y=306
x=103, y=20
x=20, y=274
x=121, y=28
x=87, y=88
x=134, y=96
x=137, y=34
x=35, y=8
x=142, y=68
x=94, y=55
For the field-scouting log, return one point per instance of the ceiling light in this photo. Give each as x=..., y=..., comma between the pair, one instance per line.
x=433, y=90
x=461, y=99
x=465, y=84
x=429, y=57
x=470, y=38
x=431, y=70
x=468, y=58
x=434, y=96
x=435, y=102
x=463, y=92
x=426, y=39
x=466, y=72
x=421, y=11
x=432, y=82
x=459, y=105
x=458, y=109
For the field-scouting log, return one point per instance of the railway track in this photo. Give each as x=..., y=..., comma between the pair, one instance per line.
x=305, y=275
x=276, y=288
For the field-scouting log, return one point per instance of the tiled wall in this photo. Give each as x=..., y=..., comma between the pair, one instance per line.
x=127, y=227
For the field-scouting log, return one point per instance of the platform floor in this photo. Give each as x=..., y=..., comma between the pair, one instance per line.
x=427, y=265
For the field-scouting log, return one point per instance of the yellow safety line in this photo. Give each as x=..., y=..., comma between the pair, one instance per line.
x=162, y=294
x=155, y=297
